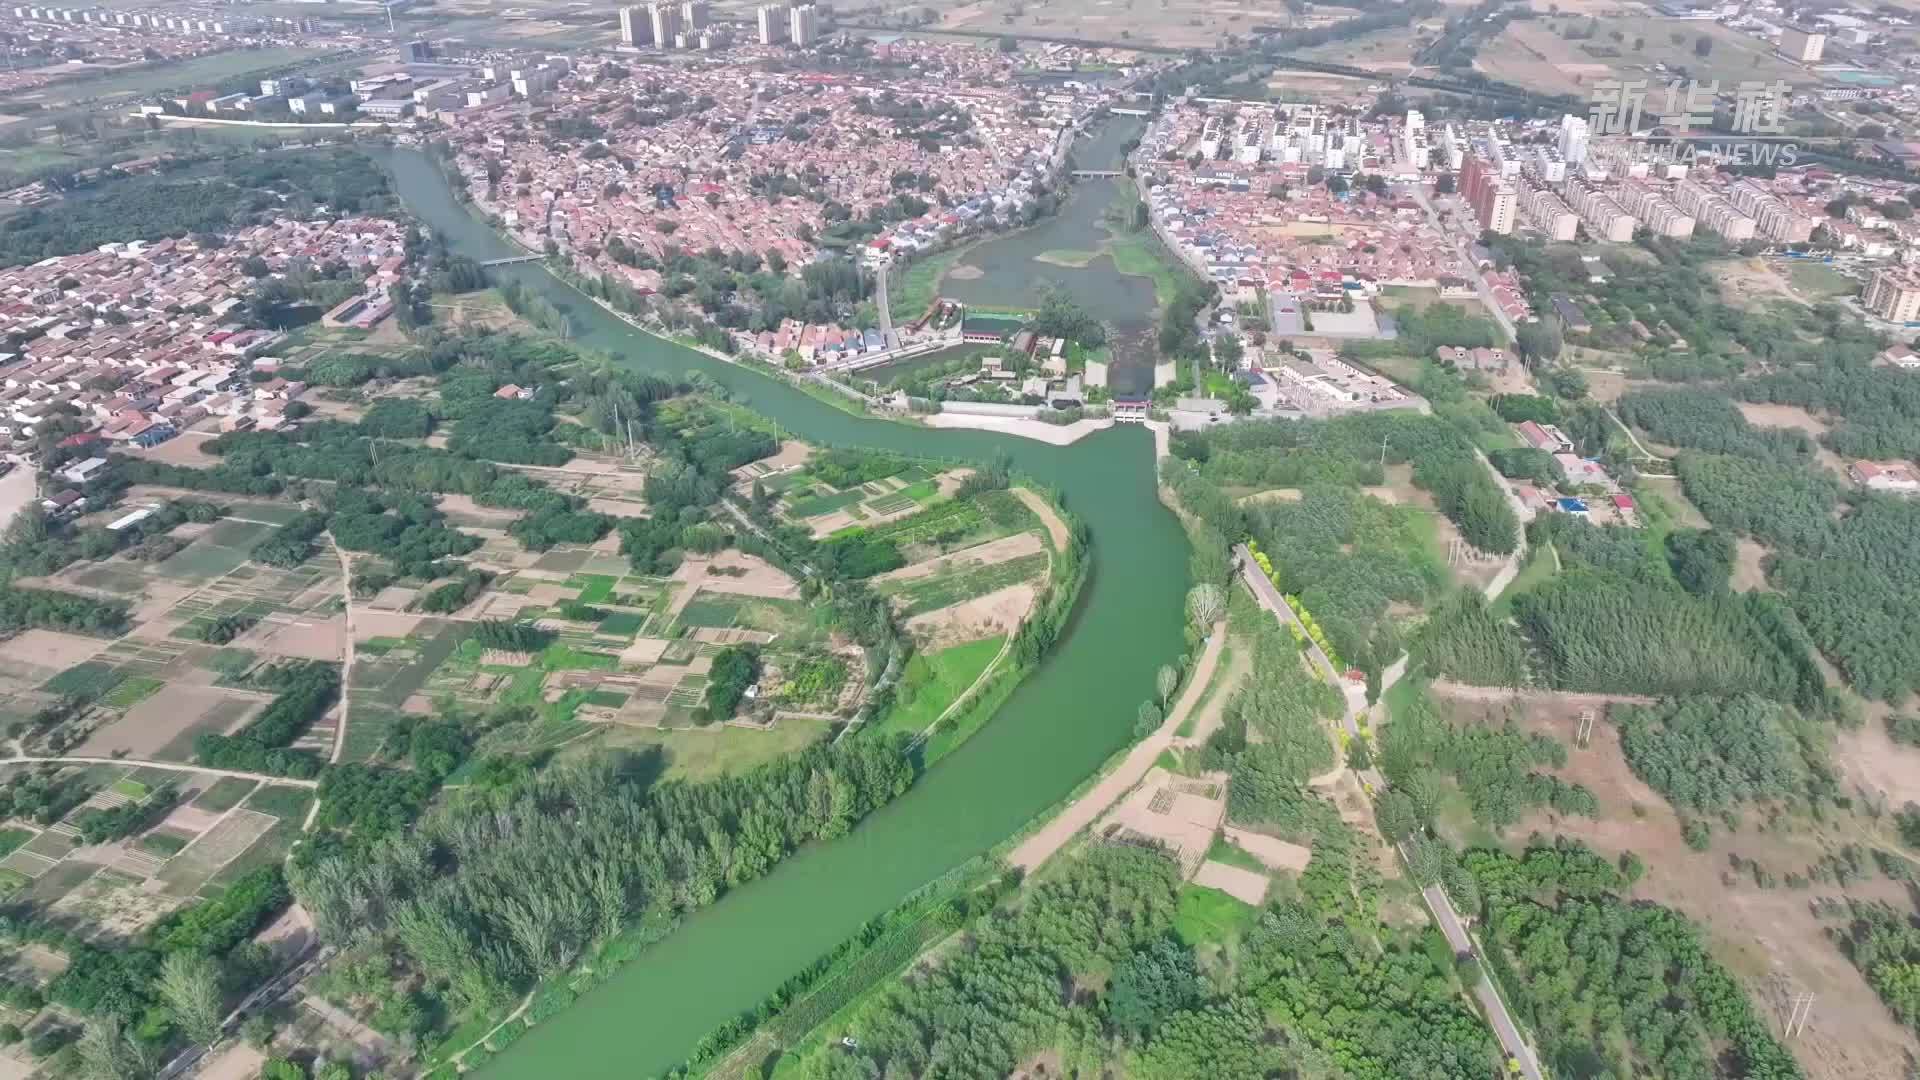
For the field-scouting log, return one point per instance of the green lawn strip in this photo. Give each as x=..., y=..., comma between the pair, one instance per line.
x=1232, y=854
x=1539, y=568
x=11, y=838
x=933, y=681
x=270, y=849
x=131, y=788
x=1208, y=916
x=712, y=610
x=971, y=717
x=594, y=588
x=563, y=657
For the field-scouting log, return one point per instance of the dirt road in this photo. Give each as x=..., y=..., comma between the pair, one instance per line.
x=1085, y=810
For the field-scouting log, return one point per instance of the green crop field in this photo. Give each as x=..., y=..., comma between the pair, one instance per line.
x=131, y=788
x=152, y=78
x=11, y=838
x=606, y=699
x=816, y=505
x=1208, y=916
x=944, y=590
x=622, y=624
x=892, y=504
x=226, y=793
x=90, y=679
x=132, y=691
x=710, y=609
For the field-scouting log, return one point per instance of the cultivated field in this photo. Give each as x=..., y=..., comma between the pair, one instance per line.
x=1535, y=55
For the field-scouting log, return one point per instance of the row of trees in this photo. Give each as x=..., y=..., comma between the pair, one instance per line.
x=494, y=891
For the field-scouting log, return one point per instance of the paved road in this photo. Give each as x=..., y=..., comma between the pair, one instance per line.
x=1473, y=273
x=1086, y=809
x=166, y=766
x=1496, y=1009
x=1450, y=924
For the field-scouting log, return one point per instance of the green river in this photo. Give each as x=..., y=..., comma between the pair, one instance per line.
x=1057, y=727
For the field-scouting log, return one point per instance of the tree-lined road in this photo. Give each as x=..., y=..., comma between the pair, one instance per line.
x=1451, y=925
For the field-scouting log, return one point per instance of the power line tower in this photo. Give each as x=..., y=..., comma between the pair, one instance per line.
x=1583, y=735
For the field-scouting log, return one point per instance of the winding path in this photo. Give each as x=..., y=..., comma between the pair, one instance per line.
x=164, y=766
x=1086, y=809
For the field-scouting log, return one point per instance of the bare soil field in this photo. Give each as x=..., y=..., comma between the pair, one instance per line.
x=185, y=449
x=998, y=612
x=1531, y=53
x=1768, y=937
x=761, y=578
x=303, y=638
x=165, y=723
x=52, y=649
x=1785, y=416
x=1748, y=573
x=1875, y=765
x=1243, y=885
x=1745, y=282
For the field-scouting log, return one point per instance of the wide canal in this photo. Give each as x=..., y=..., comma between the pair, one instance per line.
x=1051, y=734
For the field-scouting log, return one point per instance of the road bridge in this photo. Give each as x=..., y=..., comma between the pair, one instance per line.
x=511, y=259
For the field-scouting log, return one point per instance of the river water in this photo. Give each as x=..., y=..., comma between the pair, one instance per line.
x=1051, y=734
x=1005, y=271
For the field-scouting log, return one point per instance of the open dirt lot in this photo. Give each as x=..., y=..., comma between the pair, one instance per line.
x=1056, y=528
x=1767, y=937
x=984, y=616
x=1243, y=885
x=1749, y=575
x=1874, y=765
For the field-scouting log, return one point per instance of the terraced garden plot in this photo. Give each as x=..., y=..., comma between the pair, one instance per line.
x=594, y=588
x=563, y=561
x=131, y=788
x=43, y=890
x=892, y=504
x=689, y=693
x=164, y=844
x=272, y=846
x=920, y=595
x=407, y=679
x=195, y=866
x=231, y=664
x=14, y=838
x=607, y=699
x=121, y=580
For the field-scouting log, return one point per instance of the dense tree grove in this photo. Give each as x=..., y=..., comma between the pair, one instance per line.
x=734, y=670
x=498, y=889
x=306, y=691
x=1316, y=985
x=1494, y=767
x=1594, y=632
x=1711, y=754
x=166, y=203
x=1878, y=407
x=1465, y=642
x=1706, y=420
x=1613, y=987
x=27, y=609
x=1347, y=450
x=1853, y=579
x=1346, y=555
x=1274, y=736
x=1885, y=945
